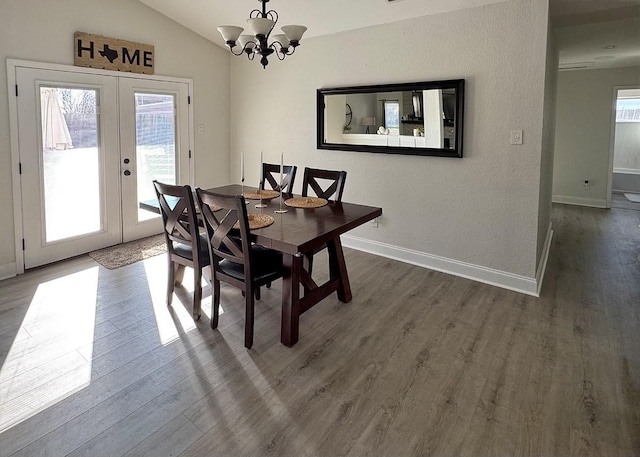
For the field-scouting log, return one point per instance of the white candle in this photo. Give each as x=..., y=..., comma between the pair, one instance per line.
x=281, y=169
x=261, y=169
x=242, y=168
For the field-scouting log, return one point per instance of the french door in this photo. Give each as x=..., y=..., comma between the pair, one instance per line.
x=89, y=147
x=154, y=144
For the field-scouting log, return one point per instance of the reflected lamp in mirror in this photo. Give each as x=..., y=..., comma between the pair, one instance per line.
x=368, y=122
x=433, y=109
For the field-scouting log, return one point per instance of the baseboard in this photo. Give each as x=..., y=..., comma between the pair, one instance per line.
x=478, y=273
x=580, y=201
x=626, y=171
x=8, y=270
x=544, y=257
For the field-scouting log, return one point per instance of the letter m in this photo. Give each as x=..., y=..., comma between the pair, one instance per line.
x=132, y=59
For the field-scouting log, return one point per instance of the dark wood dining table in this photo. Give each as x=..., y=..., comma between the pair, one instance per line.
x=300, y=231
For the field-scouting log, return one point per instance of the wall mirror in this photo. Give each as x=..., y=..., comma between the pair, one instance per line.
x=423, y=118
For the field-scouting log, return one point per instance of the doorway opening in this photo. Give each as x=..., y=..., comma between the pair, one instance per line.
x=625, y=187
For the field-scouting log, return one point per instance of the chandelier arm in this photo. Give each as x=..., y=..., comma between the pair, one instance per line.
x=273, y=15
x=257, y=12
x=278, y=51
x=239, y=54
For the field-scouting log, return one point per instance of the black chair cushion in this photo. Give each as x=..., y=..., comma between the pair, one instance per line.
x=184, y=250
x=267, y=266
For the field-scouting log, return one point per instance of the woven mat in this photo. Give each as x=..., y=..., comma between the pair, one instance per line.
x=635, y=198
x=257, y=221
x=306, y=202
x=131, y=252
x=261, y=194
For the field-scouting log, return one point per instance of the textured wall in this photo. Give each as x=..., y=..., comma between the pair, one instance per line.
x=482, y=209
x=548, y=138
x=43, y=31
x=583, y=132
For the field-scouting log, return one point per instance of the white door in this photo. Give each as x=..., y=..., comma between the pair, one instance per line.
x=90, y=146
x=154, y=144
x=70, y=199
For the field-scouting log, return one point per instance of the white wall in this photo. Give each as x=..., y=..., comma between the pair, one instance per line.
x=546, y=163
x=583, y=132
x=479, y=212
x=43, y=31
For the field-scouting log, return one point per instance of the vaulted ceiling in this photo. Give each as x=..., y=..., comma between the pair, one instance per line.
x=591, y=33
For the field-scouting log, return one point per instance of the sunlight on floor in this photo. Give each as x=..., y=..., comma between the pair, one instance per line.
x=45, y=363
x=175, y=320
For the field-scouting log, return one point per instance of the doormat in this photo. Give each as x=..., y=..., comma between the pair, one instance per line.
x=635, y=198
x=127, y=253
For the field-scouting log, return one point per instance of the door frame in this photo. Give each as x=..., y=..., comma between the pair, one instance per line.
x=612, y=138
x=12, y=64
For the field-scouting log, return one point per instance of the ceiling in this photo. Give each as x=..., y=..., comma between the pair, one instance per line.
x=583, y=27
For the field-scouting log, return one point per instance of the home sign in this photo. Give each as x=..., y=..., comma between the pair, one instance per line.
x=96, y=51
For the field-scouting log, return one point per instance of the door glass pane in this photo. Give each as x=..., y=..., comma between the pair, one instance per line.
x=155, y=145
x=392, y=117
x=71, y=163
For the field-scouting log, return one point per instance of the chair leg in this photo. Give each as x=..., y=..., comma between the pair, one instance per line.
x=269, y=285
x=248, y=322
x=197, y=293
x=216, y=303
x=179, y=275
x=257, y=293
x=170, y=282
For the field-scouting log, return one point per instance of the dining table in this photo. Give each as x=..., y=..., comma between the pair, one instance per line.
x=297, y=232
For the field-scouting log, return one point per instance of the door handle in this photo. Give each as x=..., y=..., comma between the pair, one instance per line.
x=127, y=173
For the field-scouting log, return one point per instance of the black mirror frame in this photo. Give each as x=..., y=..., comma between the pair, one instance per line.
x=457, y=84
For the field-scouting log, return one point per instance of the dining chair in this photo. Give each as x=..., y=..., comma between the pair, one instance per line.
x=327, y=184
x=186, y=247
x=271, y=174
x=235, y=260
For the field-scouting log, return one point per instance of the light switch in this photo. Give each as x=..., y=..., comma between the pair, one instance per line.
x=516, y=137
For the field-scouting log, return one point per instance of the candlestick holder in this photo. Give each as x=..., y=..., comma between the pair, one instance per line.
x=281, y=211
x=246, y=202
x=260, y=205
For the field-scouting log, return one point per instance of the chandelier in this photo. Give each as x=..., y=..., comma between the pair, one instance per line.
x=260, y=41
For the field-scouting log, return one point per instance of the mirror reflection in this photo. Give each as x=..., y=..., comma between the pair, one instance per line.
x=417, y=118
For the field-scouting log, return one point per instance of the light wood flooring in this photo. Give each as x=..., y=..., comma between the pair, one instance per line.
x=618, y=200
x=93, y=363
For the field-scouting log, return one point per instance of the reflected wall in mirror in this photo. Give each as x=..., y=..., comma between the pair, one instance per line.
x=423, y=118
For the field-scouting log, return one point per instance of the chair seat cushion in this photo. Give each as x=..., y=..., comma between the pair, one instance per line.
x=266, y=265
x=184, y=250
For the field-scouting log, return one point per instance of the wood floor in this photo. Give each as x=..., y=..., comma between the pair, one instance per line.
x=93, y=363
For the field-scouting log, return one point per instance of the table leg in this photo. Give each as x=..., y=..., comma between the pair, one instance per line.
x=338, y=268
x=290, y=299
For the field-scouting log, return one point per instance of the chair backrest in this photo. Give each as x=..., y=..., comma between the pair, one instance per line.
x=178, y=215
x=334, y=179
x=271, y=174
x=223, y=217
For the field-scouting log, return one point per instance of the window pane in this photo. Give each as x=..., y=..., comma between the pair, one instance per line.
x=71, y=162
x=392, y=117
x=155, y=145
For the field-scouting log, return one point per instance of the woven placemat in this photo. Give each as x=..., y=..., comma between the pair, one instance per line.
x=262, y=194
x=257, y=221
x=305, y=202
